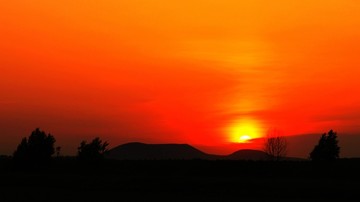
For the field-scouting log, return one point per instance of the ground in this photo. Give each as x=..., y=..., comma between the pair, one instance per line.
x=191, y=180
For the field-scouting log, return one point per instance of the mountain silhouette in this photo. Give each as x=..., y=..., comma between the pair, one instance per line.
x=248, y=154
x=141, y=151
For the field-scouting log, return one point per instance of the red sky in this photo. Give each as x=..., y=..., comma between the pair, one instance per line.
x=203, y=72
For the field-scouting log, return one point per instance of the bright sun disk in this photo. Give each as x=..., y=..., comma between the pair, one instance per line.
x=244, y=138
x=244, y=130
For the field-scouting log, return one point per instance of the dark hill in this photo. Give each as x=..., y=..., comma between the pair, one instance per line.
x=248, y=154
x=141, y=151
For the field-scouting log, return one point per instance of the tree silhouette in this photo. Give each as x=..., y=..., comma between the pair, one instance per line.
x=327, y=149
x=39, y=147
x=93, y=151
x=275, y=146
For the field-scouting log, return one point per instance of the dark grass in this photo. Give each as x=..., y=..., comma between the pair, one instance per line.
x=66, y=179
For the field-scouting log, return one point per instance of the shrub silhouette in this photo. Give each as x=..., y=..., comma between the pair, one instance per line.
x=275, y=145
x=327, y=149
x=39, y=147
x=93, y=151
x=58, y=149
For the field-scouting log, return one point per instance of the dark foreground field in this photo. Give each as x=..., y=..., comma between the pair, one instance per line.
x=191, y=180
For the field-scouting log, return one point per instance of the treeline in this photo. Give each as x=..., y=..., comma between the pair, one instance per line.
x=39, y=148
x=327, y=148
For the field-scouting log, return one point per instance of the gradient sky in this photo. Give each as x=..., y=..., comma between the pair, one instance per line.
x=203, y=72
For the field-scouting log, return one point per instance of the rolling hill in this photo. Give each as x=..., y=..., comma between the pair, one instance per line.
x=248, y=154
x=141, y=151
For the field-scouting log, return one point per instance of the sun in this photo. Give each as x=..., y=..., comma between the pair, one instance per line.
x=244, y=131
x=244, y=138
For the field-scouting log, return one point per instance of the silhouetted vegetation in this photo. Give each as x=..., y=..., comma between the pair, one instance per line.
x=93, y=151
x=276, y=147
x=38, y=148
x=327, y=149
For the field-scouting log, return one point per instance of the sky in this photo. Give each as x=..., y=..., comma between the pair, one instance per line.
x=220, y=75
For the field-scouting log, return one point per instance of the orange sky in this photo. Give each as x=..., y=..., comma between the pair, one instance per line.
x=200, y=72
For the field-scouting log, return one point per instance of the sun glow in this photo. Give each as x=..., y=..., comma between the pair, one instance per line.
x=244, y=131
